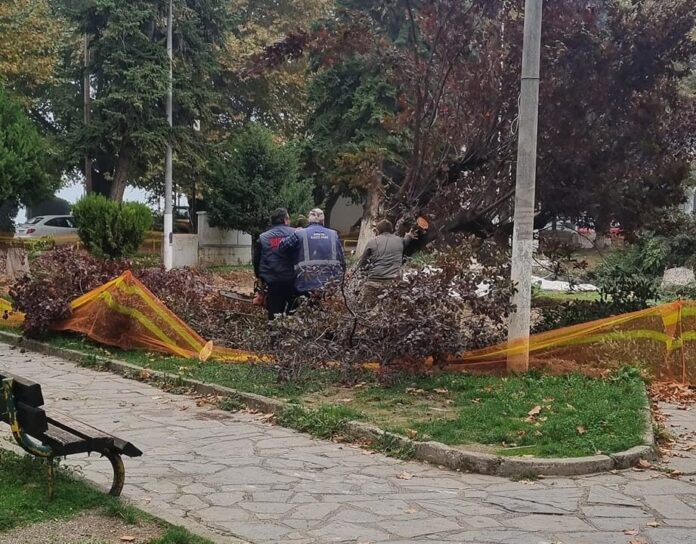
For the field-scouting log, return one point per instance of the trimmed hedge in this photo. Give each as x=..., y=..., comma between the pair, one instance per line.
x=111, y=229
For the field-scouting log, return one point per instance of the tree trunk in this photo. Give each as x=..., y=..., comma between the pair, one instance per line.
x=329, y=204
x=118, y=185
x=369, y=218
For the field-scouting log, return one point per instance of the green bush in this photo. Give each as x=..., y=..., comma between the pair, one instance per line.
x=252, y=175
x=111, y=229
x=628, y=281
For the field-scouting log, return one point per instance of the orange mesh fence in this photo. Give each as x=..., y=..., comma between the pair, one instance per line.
x=662, y=338
x=124, y=313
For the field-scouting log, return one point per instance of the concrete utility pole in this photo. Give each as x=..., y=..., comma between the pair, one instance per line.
x=523, y=235
x=167, y=248
x=87, y=113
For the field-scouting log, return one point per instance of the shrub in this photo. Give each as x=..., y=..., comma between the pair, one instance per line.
x=59, y=276
x=62, y=274
x=628, y=281
x=253, y=175
x=434, y=312
x=111, y=229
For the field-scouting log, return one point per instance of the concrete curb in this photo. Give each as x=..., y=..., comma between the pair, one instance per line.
x=436, y=453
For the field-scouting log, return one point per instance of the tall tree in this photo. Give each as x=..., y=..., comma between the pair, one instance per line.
x=253, y=175
x=128, y=71
x=614, y=128
x=31, y=37
x=23, y=158
x=276, y=98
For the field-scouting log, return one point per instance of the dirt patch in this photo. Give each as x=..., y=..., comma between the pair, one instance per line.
x=560, y=367
x=235, y=281
x=386, y=411
x=86, y=528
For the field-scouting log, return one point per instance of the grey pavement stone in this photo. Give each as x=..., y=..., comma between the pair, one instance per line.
x=480, y=522
x=257, y=531
x=671, y=507
x=536, y=522
x=544, y=501
x=416, y=528
x=497, y=537
x=614, y=512
x=337, y=531
x=190, y=502
x=619, y=524
x=605, y=495
x=591, y=538
x=670, y=536
x=234, y=476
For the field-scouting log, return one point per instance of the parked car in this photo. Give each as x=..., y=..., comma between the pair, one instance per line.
x=47, y=226
x=564, y=232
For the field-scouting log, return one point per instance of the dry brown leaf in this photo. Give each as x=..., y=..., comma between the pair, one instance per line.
x=581, y=429
x=653, y=524
x=476, y=401
x=644, y=464
x=127, y=538
x=534, y=411
x=411, y=433
x=441, y=390
x=404, y=476
x=630, y=532
x=673, y=393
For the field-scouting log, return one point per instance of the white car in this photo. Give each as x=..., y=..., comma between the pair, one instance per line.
x=52, y=226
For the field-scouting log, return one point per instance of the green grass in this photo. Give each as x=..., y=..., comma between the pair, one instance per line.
x=261, y=379
x=178, y=535
x=23, y=493
x=324, y=422
x=579, y=415
x=567, y=296
x=24, y=500
x=224, y=268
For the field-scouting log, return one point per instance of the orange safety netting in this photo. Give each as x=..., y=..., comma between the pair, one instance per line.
x=662, y=338
x=124, y=313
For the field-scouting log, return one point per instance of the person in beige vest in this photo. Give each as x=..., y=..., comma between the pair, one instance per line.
x=382, y=261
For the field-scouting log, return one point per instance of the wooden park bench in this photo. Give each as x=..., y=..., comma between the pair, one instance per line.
x=21, y=404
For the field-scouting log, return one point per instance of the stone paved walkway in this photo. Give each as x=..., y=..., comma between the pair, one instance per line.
x=239, y=477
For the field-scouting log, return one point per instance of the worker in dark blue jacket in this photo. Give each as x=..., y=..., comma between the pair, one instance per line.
x=317, y=254
x=273, y=268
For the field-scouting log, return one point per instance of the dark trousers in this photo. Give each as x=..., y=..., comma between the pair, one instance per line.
x=280, y=298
